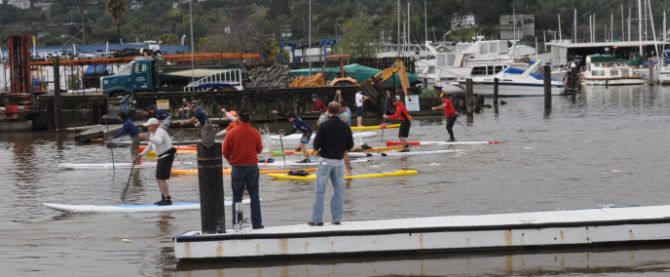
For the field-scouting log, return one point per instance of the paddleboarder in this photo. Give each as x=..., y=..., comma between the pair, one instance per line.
x=360, y=99
x=164, y=116
x=401, y=114
x=199, y=118
x=449, y=112
x=319, y=105
x=332, y=139
x=161, y=144
x=301, y=125
x=241, y=148
x=132, y=131
x=233, y=120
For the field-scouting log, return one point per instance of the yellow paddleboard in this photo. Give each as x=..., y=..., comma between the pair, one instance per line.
x=312, y=177
x=374, y=127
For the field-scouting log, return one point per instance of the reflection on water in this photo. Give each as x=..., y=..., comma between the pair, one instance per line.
x=592, y=262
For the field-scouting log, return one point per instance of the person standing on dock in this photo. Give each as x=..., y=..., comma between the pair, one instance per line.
x=161, y=143
x=301, y=125
x=241, y=148
x=132, y=131
x=401, y=114
x=333, y=139
x=450, y=113
x=319, y=105
x=360, y=99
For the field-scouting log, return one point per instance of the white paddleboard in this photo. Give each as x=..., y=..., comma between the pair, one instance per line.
x=296, y=137
x=439, y=143
x=116, y=165
x=131, y=208
x=399, y=154
x=315, y=162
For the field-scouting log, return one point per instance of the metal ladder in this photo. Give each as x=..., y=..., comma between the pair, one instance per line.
x=229, y=78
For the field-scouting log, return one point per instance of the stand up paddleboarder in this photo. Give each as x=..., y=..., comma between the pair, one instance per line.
x=132, y=131
x=301, y=125
x=401, y=114
x=449, y=112
x=161, y=144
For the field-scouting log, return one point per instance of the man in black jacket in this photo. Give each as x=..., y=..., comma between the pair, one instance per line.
x=332, y=139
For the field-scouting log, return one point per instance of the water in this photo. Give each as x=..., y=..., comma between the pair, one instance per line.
x=602, y=147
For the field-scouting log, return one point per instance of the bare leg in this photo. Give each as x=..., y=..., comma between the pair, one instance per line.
x=163, y=186
x=347, y=163
x=359, y=121
x=403, y=142
x=304, y=150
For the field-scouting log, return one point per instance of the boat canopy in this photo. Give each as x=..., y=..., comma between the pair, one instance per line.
x=356, y=71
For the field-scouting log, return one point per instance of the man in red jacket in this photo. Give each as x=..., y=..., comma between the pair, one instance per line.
x=450, y=113
x=241, y=148
x=401, y=114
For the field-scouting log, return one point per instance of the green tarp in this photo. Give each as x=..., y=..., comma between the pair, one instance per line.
x=356, y=71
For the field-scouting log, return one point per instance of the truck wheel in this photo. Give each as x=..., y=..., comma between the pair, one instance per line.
x=118, y=93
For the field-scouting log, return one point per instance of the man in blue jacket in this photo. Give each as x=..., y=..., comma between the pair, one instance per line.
x=301, y=125
x=132, y=131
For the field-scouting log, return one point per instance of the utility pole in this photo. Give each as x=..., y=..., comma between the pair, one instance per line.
x=623, y=35
x=560, y=35
x=190, y=12
x=574, y=24
x=309, y=38
x=611, y=27
x=591, y=27
x=639, y=24
x=425, y=20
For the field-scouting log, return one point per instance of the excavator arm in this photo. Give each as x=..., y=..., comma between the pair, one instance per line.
x=373, y=86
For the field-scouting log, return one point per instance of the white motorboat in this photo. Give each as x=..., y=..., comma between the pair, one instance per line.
x=664, y=72
x=515, y=81
x=607, y=70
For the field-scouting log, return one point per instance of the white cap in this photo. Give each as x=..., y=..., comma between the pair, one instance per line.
x=151, y=121
x=397, y=98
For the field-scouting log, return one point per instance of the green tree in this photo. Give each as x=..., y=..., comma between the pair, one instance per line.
x=358, y=37
x=116, y=8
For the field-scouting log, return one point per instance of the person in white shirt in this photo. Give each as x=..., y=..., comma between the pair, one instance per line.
x=161, y=143
x=360, y=99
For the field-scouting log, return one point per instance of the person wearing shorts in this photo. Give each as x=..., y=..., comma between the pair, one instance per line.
x=401, y=114
x=449, y=113
x=360, y=99
x=161, y=144
x=300, y=125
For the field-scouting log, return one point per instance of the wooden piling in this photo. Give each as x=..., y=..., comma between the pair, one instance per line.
x=496, y=83
x=210, y=182
x=57, y=112
x=573, y=78
x=547, y=88
x=469, y=97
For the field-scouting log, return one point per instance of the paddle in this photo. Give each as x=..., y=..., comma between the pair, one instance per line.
x=386, y=100
x=110, y=146
x=281, y=144
x=130, y=175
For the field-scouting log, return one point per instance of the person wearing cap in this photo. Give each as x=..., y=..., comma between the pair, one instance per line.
x=132, y=131
x=164, y=116
x=301, y=125
x=449, y=112
x=233, y=119
x=401, y=114
x=333, y=139
x=161, y=144
x=199, y=118
x=319, y=105
x=241, y=148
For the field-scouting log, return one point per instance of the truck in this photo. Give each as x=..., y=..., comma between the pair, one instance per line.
x=148, y=74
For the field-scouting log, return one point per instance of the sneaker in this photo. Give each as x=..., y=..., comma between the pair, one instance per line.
x=166, y=202
x=336, y=223
x=161, y=201
x=404, y=150
x=314, y=224
x=305, y=161
x=452, y=140
x=365, y=146
x=298, y=149
x=258, y=227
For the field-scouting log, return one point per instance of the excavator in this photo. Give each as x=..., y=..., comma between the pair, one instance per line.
x=373, y=87
x=320, y=79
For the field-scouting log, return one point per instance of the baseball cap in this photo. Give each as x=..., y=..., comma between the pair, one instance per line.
x=397, y=98
x=151, y=121
x=245, y=116
x=233, y=113
x=314, y=95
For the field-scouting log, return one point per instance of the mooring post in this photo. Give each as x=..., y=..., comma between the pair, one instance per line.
x=468, y=97
x=651, y=74
x=496, y=82
x=573, y=78
x=57, y=116
x=547, y=88
x=210, y=182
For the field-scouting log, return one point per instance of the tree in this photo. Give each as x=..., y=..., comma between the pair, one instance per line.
x=359, y=37
x=116, y=8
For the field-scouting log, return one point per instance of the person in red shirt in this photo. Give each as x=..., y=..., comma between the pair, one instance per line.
x=241, y=148
x=319, y=105
x=401, y=114
x=449, y=112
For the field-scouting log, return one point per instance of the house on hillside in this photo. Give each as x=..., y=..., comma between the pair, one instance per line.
x=462, y=22
x=525, y=26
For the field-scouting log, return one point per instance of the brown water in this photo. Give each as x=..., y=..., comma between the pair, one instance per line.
x=602, y=147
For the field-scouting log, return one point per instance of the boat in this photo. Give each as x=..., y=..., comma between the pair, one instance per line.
x=131, y=208
x=227, y=171
x=312, y=177
x=515, y=81
x=607, y=70
x=431, y=143
x=400, y=154
x=585, y=228
x=297, y=137
x=374, y=127
x=664, y=72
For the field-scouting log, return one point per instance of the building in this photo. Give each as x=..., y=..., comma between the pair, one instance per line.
x=525, y=26
x=463, y=21
x=21, y=4
x=136, y=5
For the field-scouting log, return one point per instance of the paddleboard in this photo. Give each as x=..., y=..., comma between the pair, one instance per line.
x=400, y=154
x=311, y=152
x=116, y=165
x=131, y=208
x=121, y=142
x=312, y=177
x=178, y=147
x=296, y=137
x=374, y=127
x=429, y=143
x=315, y=162
x=227, y=171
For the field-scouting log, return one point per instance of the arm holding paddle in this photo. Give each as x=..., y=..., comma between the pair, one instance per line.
x=438, y=107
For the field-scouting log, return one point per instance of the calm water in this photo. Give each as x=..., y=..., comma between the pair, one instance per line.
x=601, y=147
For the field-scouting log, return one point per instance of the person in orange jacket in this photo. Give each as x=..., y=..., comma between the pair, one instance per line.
x=401, y=114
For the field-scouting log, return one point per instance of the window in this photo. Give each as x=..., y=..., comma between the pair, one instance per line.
x=498, y=69
x=614, y=72
x=478, y=71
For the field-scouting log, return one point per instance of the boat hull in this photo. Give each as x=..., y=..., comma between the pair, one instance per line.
x=614, y=82
x=514, y=89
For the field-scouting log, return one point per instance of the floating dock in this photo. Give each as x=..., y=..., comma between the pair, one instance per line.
x=514, y=231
